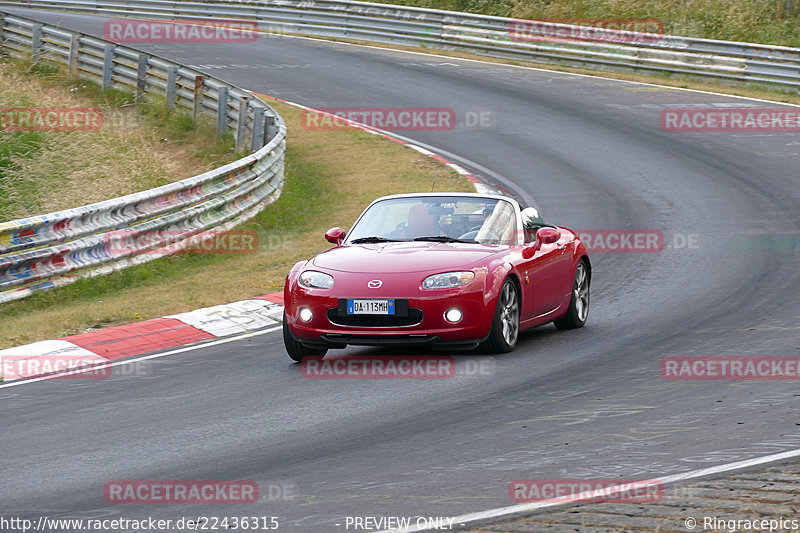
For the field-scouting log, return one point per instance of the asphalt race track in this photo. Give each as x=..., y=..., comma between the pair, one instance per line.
x=577, y=404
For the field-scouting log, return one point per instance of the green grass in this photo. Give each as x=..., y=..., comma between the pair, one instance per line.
x=330, y=177
x=295, y=211
x=309, y=187
x=755, y=21
x=177, y=125
x=16, y=194
x=140, y=146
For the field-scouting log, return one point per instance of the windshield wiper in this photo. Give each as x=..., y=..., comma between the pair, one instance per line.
x=442, y=238
x=364, y=240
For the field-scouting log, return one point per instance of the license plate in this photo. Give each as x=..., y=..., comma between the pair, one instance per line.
x=370, y=307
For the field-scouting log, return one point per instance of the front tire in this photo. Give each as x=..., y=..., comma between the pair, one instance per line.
x=578, y=310
x=298, y=350
x=505, y=325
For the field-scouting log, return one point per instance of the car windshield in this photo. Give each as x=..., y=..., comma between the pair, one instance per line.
x=437, y=219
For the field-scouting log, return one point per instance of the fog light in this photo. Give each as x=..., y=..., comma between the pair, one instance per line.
x=306, y=314
x=453, y=315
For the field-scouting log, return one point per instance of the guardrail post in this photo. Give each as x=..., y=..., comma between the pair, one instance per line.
x=74, y=45
x=257, y=139
x=272, y=129
x=141, y=77
x=36, y=42
x=197, y=101
x=222, y=110
x=172, y=86
x=241, y=123
x=190, y=211
x=108, y=66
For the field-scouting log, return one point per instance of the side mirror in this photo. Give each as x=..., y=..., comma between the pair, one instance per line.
x=547, y=235
x=335, y=236
x=543, y=236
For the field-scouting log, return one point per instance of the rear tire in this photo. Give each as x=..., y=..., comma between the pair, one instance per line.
x=505, y=325
x=578, y=310
x=298, y=350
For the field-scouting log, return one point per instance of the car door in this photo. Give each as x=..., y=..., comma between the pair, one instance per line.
x=547, y=274
x=550, y=276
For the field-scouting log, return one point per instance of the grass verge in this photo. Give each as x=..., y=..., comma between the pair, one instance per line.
x=139, y=146
x=330, y=177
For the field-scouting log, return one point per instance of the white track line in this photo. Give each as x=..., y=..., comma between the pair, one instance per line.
x=142, y=358
x=522, y=508
x=538, y=69
x=512, y=510
x=499, y=61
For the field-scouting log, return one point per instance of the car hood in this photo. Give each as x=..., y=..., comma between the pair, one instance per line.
x=398, y=257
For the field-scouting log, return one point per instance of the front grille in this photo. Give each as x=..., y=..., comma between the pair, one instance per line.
x=412, y=317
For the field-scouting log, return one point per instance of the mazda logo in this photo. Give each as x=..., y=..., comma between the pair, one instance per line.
x=375, y=284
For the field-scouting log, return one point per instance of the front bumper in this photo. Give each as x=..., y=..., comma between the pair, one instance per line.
x=421, y=322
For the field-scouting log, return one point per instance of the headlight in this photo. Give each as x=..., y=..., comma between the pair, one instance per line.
x=316, y=280
x=448, y=280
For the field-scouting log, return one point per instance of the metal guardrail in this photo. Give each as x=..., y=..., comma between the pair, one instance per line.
x=175, y=205
x=494, y=36
x=38, y=253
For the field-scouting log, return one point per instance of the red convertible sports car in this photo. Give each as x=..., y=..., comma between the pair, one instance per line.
x=454, y=270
